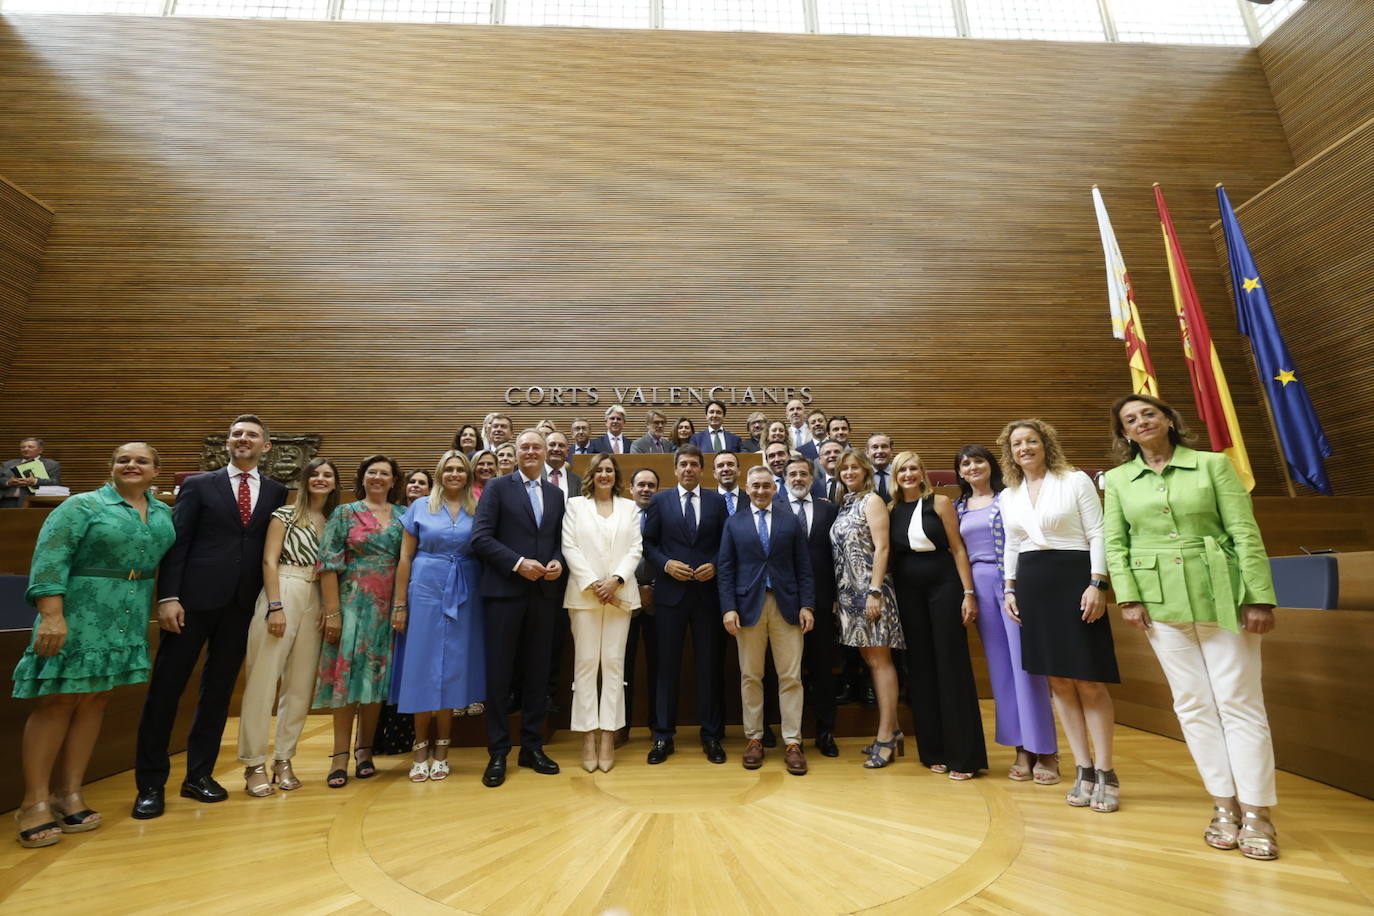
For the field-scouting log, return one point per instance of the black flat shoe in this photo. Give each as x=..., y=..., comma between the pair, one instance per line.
x=825, y=743
x=661, y=751
x=203, y=789
x=535, y=759
x=495, y=773
x=149, y=804
x=714, y=752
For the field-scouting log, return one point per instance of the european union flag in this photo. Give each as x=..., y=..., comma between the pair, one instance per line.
x=1304, y=444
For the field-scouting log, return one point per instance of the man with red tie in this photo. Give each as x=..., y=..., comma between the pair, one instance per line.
x=614, y=442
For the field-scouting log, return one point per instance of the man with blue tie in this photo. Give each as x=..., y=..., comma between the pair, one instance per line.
x=643, y=486
x=614, y=442
x=879, y=449
x=681, y=539
x=655, y=438
x=799, y=431
x=726, y=468
x=581, y=436
x=715, y=437
x=768, y=596
x=518, y=533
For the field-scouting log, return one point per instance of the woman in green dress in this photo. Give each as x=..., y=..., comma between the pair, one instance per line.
x=92, y=580
x=1189, y=568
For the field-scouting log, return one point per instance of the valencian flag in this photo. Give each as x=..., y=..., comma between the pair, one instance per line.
x=1210, y=390
x=1304, y=444
x=1125, y=319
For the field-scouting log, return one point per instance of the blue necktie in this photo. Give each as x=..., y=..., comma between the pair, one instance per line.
x=536, y=503
x=763, y=538
x=801, y=515
x=689, y=517
x=729, y=504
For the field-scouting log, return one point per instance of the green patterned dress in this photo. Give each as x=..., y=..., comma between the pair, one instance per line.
x=84, y=544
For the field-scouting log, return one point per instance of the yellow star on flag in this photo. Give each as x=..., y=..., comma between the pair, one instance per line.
x=1285, y=376
x=1251, y=284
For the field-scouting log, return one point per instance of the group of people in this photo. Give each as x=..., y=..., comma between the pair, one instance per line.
x=442, y=592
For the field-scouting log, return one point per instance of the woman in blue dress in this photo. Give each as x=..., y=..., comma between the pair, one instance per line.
x=439, y=659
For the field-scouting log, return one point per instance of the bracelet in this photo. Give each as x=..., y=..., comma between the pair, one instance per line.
x=272, y=610
x=331, y=616
x=274, y=605
x=1009, y=591
x=968, y=591
x=398, y=607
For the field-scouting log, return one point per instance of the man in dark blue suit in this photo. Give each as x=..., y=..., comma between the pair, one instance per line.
x=816, y=514
x=518, y=533
x=768, y=598
x=715, y=437
x=681, y=539
x=615, y=441
x=207, y=586
x=643, y=486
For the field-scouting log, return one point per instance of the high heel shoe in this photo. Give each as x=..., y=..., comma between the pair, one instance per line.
x=1224, y=830
x=1084, y=784
x=876, y=760
x=605, y=752
x=419, y=769
x=438, y=769
x=589, y=761
x=284, y=776
x=867, y=749
x=364, y=769
x=338, y=778
x=256, y=782
x=1107, y=794
x=1258, y=838
x=1043, y=775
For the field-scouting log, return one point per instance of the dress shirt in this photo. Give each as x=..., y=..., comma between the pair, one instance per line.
x=795, y=504
x=525, y=485
x=768, y=520
x=254, y=484
x=1066, y=516
x=712, y=433
x=737, y=493
x=800, y=435
x=617, y=444
x=562, y=483
x=882, y=482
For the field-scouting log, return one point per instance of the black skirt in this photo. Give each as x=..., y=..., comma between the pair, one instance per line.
x=1054, y=639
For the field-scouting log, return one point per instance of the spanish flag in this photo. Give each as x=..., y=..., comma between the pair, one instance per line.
x=1204, y=369
x=1125, y=319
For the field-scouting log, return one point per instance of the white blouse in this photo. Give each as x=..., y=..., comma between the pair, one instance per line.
x=1067, y=515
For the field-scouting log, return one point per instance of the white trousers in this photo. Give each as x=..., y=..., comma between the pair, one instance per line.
x=289, y=660
x=786, y=641
x=1215, y=678
x=599, y=636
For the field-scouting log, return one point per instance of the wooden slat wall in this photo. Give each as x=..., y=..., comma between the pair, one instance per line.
x=24, y=225
x=369, y=231
x=1320, y=65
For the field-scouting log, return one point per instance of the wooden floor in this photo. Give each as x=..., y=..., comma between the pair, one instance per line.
x=690, y=837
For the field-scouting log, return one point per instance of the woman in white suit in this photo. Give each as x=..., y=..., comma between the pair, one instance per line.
x=601, y=547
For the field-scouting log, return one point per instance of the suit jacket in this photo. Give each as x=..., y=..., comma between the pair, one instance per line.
x=743, y=569
x=52, y=476
x=822, y=512
x=702, y=440
x=749, y=446
x=591, y=556
x=665, y=538
x=601, y=445
x=809, y=450
x=645, y=445
x=574, y=481
x=504, y=531
x=216, y=559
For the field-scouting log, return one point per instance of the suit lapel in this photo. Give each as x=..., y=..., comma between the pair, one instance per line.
x=223, y=487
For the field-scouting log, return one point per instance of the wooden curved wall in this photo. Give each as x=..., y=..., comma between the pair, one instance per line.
x=369, y=231
x=24, y=225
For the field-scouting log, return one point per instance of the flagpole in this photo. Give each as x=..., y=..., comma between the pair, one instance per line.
x=1269, y=412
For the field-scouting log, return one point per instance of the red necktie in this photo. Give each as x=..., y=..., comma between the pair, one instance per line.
x=245, y=500
x=554, y=477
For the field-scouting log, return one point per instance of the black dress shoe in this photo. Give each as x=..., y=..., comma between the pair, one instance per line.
x=770, y=739
x=844, y=695
x=714, y=752
x=537, y=760
x=825, y=743
x=149, y=804
x=203, y=789
x=871, y=698
x=495, y=773
x=661, y=751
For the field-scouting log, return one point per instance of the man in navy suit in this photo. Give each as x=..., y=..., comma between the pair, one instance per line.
x=518, y=533
x=715, y=437
x=643, y=486
x=207, y=586
x=768, y=597
x=615, y=441
x=681, y=540
x=581, y=436
x=879, y=449
x=816, y=514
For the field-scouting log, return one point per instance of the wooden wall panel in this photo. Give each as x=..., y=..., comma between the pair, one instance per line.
x=24, y=225
x=370, y=231
x=1320, y=65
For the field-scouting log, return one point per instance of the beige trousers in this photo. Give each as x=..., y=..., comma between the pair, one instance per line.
x=786, y=641
x=289, y=660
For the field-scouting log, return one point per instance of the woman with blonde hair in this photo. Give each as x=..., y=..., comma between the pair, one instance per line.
x=483, y=470
x=284, y=637
x=929, y=564
x=602, y=548
x=1056, y=589
x=436, y=610
x=505, y=458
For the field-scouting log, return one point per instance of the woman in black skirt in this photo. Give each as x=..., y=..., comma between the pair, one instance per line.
x=1055, y=566
x=928, y=564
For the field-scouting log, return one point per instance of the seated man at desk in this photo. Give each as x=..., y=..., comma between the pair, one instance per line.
x=20, y=483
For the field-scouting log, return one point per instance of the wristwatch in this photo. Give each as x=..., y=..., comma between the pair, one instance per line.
x=876, y=592
x=620, y=580
x=1098, y=583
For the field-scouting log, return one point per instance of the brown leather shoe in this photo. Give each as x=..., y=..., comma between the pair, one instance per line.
x=753, y=754
x=795, y=760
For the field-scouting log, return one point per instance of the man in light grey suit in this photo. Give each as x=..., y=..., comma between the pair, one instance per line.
x=17, y=485
x=655, y=438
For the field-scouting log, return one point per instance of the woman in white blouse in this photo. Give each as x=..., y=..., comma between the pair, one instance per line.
x=1056, y=589
x=601, y=547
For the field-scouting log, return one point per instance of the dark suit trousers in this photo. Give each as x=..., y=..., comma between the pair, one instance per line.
x=642, y=625
x=223, y=631
x=818, y=667
x=940, y=686
x=700, y=611
x=519, y=636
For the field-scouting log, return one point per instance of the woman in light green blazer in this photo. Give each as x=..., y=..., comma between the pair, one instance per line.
x=1189, y=568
